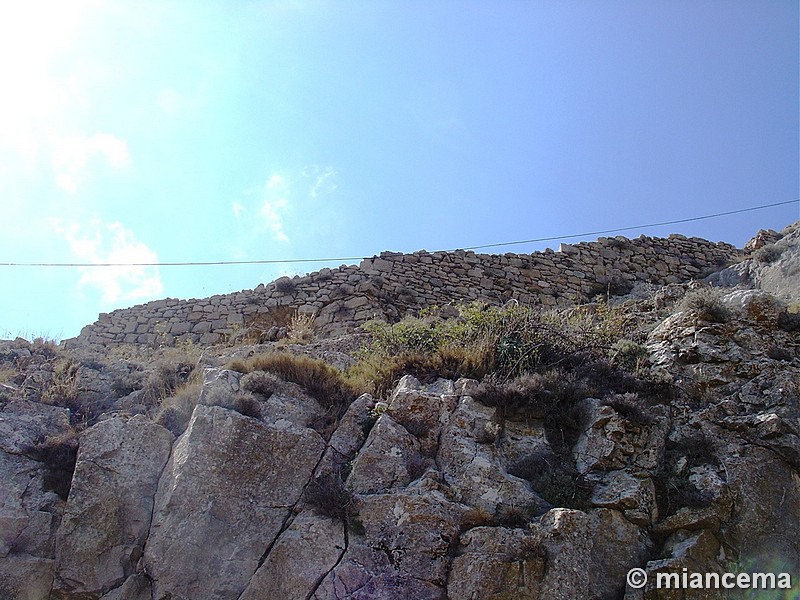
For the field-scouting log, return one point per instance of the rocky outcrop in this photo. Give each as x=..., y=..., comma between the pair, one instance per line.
x=232, y=481
x=433, y=492
x=30, y=508
x=774, y=265
x=108, y=515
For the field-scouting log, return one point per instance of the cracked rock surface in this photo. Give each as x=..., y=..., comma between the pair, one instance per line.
x=423, y=494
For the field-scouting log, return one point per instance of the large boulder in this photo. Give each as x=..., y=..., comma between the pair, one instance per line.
x=300, y=559
x=107, y=518
x=398, y=546
x=34, y=439
x=224, y=496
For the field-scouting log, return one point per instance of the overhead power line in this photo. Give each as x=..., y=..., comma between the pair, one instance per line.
x=356, y=258
x=677, y=221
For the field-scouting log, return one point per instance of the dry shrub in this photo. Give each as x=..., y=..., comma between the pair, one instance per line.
x=176, y=410
x=300, y=329
x=674, y=490
x=244, y=403
x=631, y=407
x=707, y=304
x=768, y=254
x=285, y=285
x=58, y=455
x=554, y=479
x=260, y=382
x=328, y=495
x=322, y=381
x=551, y=396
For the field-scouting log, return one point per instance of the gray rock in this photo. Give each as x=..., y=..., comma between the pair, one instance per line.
x=25, y=577
x=29, y=511
x=233, y=480
x=495, y=563
x=389, y=459
x=474, y=471
x=400, y=549
x=136, y=587
x=108, y=513
x=301, y=558
x=24, y=424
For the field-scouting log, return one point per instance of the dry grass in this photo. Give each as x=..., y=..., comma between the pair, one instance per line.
x=322, y=381
x=176, y=410
x=58, y=454
x=300, y=329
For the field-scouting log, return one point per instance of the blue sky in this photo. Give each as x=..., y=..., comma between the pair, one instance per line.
x=194, y=131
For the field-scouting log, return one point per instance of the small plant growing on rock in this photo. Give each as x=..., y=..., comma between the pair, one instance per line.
x=768, y=254
x=789, y=321
x=555, y=479
x=629, y=355
x=176, y=410
x=322, y=381
x=300, y=329
x=285, y=285
x=58, y=455
x=327, y=495
x=261, y=383
x=707, y=304
x=631, y=407
x=674, y=490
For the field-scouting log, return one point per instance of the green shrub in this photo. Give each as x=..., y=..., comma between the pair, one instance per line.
x=629, y=355
x=482, y=340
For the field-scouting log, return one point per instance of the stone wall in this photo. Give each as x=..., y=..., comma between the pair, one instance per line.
x=392, y=285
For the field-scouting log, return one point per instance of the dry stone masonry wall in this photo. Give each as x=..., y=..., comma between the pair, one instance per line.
x=393, y=285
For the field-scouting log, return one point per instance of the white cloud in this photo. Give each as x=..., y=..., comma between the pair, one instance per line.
x=271, y=214
x=322, y=180
x=276, y=182
x=273, y=208
x=238, y=208
x=100, y=243
x=71, y=157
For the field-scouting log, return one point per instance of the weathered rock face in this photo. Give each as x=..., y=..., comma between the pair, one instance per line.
x=30, y=511
x=774, y=267
x=110, y=507
x=427, y=493
x=225, y=494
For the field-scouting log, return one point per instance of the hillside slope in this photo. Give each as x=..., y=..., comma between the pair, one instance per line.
x=476, y=452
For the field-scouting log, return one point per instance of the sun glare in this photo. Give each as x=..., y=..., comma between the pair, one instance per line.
x=33, y=35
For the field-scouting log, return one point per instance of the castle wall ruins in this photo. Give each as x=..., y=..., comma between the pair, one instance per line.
x=392, y=285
